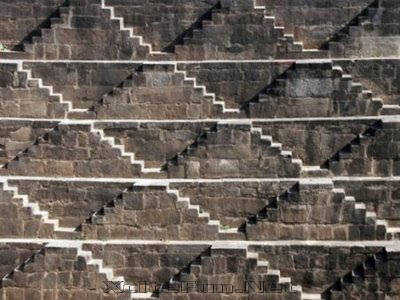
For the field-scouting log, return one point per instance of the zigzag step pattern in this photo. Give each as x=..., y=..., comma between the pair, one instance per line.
x=34, y=207
x=306, y=171
x=288, y=40
x=261, y=266
x=112, y=142
x=182, y=203
x=88, y=256
x=39, y=82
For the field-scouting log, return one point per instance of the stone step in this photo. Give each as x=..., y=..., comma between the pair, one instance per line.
x=390, y=110
x=15, y=55
x=234, y=234
x=314, y=171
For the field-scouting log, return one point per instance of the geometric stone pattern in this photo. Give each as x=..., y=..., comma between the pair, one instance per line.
x=185, y=150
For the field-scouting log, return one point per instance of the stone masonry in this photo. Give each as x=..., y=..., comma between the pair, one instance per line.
x=193, y=150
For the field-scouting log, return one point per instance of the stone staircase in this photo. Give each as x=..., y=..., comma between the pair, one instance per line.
x=182, y=204
x=361, y=25
x=348, y=81
x=46, y=34
x=369, y=268
x=203, y=88
x=287, y=46
x=306, y=171
x=332, y=93
x=20, y=267
x=96, y=265
x=259, y=267
x=39, y=83
x=120, y=22
x=374, y=25
x=39, y=44
x=107, y=271
x=355, y=147
x=112, y=142
x=34, y=208
x=181, y=79
x=352, y=211
x=257, y=135
x=195, y=36
x=382, y=226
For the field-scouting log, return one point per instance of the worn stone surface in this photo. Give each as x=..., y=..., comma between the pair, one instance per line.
x=315, y=142
x=19, y=18
x=382, y=196
x=149, y=213
x=12, y=255
x=56, y=273
x=162, y=22
x=315, y=268
x=231, y=203
x=313, y=22
x=155, y=143
x=17, y=221
x=310, y=89
x=345, y=210
x=308, y=212
x=70, y=202
x=17, y=136
x=82, y=30
x=20, y=97
x=72, y=151
x=156, y=92
x=379, y=76
x=374, y=153
x=82, y=84
x=233, y=151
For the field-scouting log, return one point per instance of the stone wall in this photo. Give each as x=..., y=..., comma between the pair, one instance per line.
x=235, y=83
x=313, y=212
x=374, y=33
x=12, y=255
x=381, y=196
x=85, y=31
x=151, y=263
x=70, y=202
x=72, y=151
x=315, y=268
x=314, y=142
x=149, y=213
x=313, y=22
x=20, y=97
x=17, y=221
x=231, y=203
x=157, y=92
x=17, y=136
x=233, y=151
x=285, y=89
x=161, y=22
x=377, y=276
x=20, y=18
x=313, y=89
x=375, y=153
x=380, y=76
x=155, y=143
x=56, y=273
x=82, y=84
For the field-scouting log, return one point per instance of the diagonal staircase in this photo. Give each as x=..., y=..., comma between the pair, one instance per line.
x=36, y=211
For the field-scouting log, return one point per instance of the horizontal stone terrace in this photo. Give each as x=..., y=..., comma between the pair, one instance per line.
x=122, y=93
x=285, y=209
x=135, y=262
